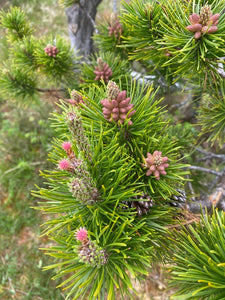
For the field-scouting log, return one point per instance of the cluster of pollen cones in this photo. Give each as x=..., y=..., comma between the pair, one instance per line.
x=51, y=50
x=156, y=164
x=204, y=23
x=102, y=71
x=117, y=106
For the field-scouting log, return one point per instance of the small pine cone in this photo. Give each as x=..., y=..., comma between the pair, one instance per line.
x=205, y=15
x=66, y=165
x=66, y=146
x=118, y=109
x=112, y=90
x=77, y=165
x=82, y=234
x=92, y=254
x=142, y=205
x=102, y=71
x=178, y=200
x=100, y=63
x=51, y=50
x=79, y=190
x=156, y=164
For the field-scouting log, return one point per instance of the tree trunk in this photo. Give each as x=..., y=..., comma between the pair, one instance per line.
x=81, y=18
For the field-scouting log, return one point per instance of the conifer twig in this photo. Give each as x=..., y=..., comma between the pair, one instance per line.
x=191, y=189
x=180, y=104
x=38, y=89
x=210, y=155
x=207, y=170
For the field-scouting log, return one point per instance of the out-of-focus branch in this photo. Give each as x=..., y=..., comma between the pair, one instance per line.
x=183, y=103
x=18, y=167
x=210, y=171
x=209, y=155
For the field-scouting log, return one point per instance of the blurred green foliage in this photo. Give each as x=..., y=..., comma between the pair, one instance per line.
x=25, y=135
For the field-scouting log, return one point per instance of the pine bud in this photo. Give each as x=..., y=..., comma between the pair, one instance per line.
x=112, y=90
x=89, y=252
x=194, y=18
x=210, y=29
x=113, y=19
x=83, y=189
x=79, y=190
x=100, y=63
x=205, y=14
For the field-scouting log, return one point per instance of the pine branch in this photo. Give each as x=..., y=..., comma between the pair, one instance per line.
x=207, y=170
x=183, y=103
x=191, y=189
x=209, y=155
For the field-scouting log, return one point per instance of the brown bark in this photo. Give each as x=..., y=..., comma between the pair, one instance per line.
x=81, y=18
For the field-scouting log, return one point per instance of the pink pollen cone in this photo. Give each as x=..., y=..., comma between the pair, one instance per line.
x=66, y=146
x=81, y=234
x=63, y=164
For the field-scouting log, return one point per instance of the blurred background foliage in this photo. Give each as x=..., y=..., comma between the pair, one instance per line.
x=25, y=136
x=25, y=140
